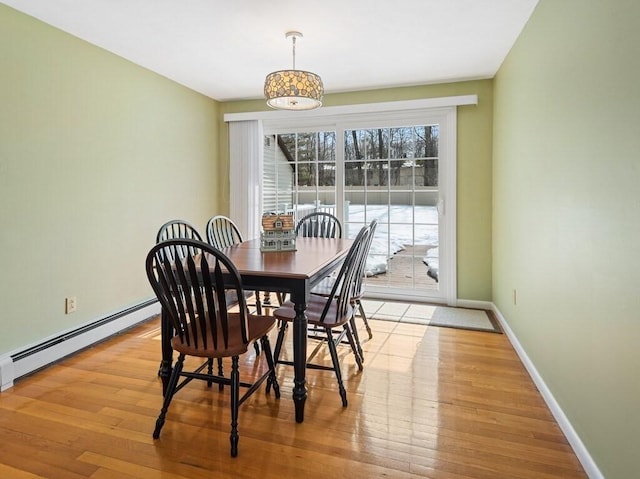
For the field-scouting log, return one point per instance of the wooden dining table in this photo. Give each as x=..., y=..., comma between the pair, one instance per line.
x=293, y=272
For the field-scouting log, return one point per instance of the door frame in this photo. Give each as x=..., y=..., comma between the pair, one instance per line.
x=445, y=108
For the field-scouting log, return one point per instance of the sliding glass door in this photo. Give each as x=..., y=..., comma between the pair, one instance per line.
x=392, y=170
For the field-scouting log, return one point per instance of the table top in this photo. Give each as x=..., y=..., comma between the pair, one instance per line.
x=311, y=258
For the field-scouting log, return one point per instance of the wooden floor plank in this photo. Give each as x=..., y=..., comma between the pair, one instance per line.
x=430, y=402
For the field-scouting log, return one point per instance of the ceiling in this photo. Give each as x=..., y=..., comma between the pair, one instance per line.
x=225, y=48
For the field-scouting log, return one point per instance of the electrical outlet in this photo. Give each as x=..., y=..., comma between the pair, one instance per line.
x=70, y=305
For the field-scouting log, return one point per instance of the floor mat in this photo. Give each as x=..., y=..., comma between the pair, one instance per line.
x=434, y=315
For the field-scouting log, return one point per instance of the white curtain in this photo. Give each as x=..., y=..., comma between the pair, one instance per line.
x=245, y=176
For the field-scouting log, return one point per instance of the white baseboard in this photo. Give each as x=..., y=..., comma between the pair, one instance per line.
x=27, y=360
x=575, y=442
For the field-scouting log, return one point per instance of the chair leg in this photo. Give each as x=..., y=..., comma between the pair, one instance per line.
x=210, y=371
x=364, y=319
x=355, y=346
x=168, y=396
x=279, y=342
x=220, y=373
x=336, y=366
x=235, y=395
x=266, y=299
x=258, y=303
x=276, y=353
x=356, y=339
x=256, y=345
x=272, y=381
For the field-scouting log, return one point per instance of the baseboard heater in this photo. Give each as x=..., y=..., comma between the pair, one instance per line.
x=20, y=363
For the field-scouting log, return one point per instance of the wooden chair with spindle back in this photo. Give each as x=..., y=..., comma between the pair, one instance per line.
x=330, y=314
x=193, y=290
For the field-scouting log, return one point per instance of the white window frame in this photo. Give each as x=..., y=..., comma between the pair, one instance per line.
x=432, y=110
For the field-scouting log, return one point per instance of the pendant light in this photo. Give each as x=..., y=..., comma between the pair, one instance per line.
x=293, y=89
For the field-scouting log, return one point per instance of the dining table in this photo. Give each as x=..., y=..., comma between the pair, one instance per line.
x=293, y=272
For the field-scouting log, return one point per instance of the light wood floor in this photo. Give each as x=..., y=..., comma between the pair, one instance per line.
x=431, y=402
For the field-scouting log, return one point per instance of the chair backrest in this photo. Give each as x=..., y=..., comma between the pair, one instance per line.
x=344, y=284
x=319, y=225
x=194, y=290
x=358, y=288
x=222, y=232
x=175, y=229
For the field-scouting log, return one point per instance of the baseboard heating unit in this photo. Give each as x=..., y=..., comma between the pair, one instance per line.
x=20, y=363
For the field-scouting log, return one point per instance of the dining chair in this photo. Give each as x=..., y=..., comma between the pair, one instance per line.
x=319, y=225
x=181, y=229
x=361, y=280
x=192, y=291
x=222, y=232
x=178, y=229
x=325, y=286
x=329, y=314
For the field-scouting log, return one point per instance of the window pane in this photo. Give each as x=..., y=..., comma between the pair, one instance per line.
x=401, y=174
x=355, y=145
x=426, y=172
x=426, y=235
x=327, y=174
x=377, y=173
x=427, y=141
x=401, y=142
x=426, y=212
x=307, y=143
x=401, y=210
x=354, y=173
x=287, y=146
x=307, y=174
x=327, y=146
x=377, y=143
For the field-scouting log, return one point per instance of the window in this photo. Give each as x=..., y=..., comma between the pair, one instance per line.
x=311, y=160
x=383, y=167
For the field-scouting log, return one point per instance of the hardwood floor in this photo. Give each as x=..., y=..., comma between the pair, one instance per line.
x=431, y=402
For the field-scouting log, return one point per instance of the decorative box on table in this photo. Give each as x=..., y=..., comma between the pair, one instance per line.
x=278, y=232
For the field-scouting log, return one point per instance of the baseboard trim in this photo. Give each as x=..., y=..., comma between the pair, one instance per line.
x=570, y=433
x=28, y=360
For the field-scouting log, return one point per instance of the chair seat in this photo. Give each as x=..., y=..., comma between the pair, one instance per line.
x=315, y=306
x=258, y=327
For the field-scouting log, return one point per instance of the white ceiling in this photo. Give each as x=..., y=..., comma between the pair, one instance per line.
x=225, y=48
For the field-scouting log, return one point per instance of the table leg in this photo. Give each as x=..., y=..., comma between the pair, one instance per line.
x=299, y=360
x=167, y=351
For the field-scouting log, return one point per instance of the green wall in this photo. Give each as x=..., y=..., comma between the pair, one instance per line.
x=474, y=170
x=566, y=217
x=95, y=154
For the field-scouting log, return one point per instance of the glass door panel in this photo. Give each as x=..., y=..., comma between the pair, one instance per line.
x=391, y=174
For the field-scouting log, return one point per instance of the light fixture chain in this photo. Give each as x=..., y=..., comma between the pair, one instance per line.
x=294, y=51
